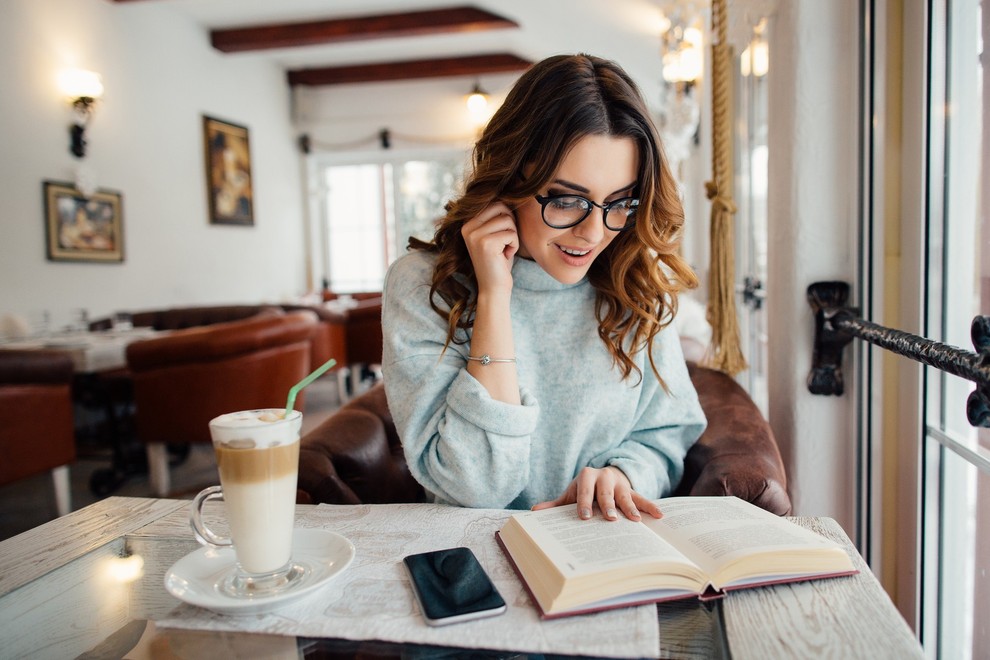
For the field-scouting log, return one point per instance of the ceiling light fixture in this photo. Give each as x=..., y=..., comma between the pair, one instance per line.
x=477, y=104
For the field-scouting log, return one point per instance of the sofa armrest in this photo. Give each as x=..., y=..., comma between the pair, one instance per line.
x=355, y=456
x=737, y=454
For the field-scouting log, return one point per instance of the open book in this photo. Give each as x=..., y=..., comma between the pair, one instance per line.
x=702, y=546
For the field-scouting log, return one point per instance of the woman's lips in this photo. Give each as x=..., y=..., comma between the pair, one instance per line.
x=574, y=256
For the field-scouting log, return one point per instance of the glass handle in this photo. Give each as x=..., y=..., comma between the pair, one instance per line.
x=203, y=534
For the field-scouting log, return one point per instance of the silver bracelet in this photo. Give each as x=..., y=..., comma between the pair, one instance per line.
x=488, y=359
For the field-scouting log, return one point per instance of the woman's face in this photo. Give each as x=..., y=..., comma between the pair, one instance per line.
x=600, y=168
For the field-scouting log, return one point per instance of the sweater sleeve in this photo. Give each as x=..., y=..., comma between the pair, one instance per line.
x=464, y=447
x=667, y=424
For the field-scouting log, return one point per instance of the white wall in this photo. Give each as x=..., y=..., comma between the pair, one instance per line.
x=813, y=210
x=161, y=76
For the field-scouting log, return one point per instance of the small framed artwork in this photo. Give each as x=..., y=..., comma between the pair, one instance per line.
x=83, y=227
x=228, y=172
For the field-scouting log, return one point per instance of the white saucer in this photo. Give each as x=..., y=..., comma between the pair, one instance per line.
x=194, y=579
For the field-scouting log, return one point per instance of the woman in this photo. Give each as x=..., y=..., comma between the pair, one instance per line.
x=530, y=359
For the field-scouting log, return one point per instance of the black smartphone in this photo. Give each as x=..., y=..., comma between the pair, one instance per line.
x=452, y=586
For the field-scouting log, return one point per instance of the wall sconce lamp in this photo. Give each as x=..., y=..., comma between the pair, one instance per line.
x=477, y=104
x=683, y=61
x=82, y=89
x=683, y=65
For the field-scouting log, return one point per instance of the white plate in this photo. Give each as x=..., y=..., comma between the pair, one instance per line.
x=194, y=579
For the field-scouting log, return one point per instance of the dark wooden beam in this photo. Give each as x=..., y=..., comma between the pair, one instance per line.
x=471, y=65
x=287, y=35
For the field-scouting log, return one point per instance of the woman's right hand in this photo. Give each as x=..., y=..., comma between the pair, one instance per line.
x=492, y=242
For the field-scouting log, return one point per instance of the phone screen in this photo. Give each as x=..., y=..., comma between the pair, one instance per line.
x=452, y=586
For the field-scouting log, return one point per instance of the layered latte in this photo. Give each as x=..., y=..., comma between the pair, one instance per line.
x=258, y=459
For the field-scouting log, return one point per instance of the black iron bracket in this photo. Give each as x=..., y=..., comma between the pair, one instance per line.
x=837, y=324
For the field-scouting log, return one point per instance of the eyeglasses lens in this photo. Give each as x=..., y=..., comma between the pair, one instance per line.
x=567, y=211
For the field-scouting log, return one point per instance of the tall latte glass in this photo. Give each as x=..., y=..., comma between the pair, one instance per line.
x=258, y=458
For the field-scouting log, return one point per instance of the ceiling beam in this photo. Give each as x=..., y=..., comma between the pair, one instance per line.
x=471, y=65
x=414, y=23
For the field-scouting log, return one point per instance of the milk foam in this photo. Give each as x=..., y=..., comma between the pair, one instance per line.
x=256, y=428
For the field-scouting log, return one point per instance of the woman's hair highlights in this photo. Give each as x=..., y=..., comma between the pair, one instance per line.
x=553, y=105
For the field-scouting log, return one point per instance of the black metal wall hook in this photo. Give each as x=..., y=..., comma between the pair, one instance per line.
x=836, y=325
x=828, y=299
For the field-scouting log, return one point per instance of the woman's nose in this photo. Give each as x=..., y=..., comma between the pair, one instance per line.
x=592, y=228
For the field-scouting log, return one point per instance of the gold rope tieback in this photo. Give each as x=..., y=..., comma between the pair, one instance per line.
x=725, y=353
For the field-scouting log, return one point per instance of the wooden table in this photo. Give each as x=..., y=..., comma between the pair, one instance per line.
x=62, y=594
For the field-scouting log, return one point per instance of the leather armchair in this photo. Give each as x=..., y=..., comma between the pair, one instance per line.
x=737, y=454
x=36, y=426
x=188, y=377
x=355, y=455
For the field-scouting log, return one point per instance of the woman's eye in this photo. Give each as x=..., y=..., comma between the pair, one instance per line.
x=567, y=203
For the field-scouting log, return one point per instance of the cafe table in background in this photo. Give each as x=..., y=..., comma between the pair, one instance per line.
x=101, y=391
x=91, y=352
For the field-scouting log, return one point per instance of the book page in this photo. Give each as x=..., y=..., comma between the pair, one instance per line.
x=581, y=546
x=715, y=531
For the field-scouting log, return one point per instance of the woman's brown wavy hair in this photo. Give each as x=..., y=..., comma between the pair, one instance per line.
x=553, y=105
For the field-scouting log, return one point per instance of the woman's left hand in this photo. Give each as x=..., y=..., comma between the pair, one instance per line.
x=610, y=487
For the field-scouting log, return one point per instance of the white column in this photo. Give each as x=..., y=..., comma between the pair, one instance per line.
x=813, y=230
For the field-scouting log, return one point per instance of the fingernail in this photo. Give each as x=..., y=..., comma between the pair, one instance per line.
x=585, y=514
x=610, y=513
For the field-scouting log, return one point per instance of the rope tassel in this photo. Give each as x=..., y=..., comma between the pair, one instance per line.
x=725, y=353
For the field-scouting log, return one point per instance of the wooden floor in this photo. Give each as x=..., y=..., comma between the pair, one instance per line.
x=31, y=502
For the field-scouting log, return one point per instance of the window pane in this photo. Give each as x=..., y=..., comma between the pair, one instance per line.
x=355, y=217
x=423, y=188
x=965, y=566
x=957, y=494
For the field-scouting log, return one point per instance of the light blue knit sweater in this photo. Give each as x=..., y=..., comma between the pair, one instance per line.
x=468, y=449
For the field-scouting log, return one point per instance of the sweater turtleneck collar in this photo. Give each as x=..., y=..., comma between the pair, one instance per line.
x=529, y=275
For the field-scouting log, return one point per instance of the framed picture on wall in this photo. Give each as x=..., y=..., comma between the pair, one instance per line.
x=83, y=228
x=228, y=172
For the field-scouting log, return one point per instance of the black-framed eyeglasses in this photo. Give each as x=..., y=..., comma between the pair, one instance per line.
x=565, y=211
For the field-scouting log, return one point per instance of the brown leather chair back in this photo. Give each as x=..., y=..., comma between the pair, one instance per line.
x=364, y=332
x=179, y=318
x=186, y=378
x=36, y=427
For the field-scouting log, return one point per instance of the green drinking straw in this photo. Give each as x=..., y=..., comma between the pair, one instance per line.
x=294, y=390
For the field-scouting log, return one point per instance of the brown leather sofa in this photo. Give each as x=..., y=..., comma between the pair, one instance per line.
x=36, y=427
x=327, y=340
x=180, y=318
x=184, y=379
x=352, y=336
x=355, y=456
